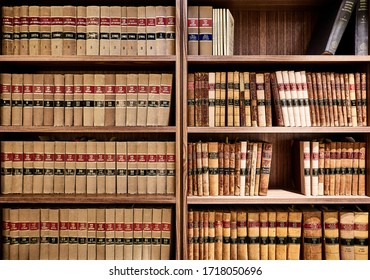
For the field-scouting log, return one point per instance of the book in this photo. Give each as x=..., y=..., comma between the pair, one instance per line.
x=237, y=168
x=312, y=234
x=69, y=30
x=121, y=96
x=331, y=234
x=171, y=167
x=137, y=234
x=100, y=233
x=153, y=99
x=226, y=169
x=156, y=234
x=265, y=168
x=24, y=233
x=242, y=235
x=294, y=234
x=128, y=234
x=17, y=99
x=78, y=98
x=91, y=233
x=142, y=99
x=88, y=99
x=5, y=96
x=100, y=167
x=121, y=170
x=165, y=100
x=277, y=102
x=305, y=167
x=218, y=235
x=314, y=168
x=59, y=166
x=49, y=161
x=99, y=99
x=254, y=104
x=81, y=30
x=14, y=234
x=44, y=233
x=85, y=155
x=261, y=106
x=131, y=103
x=166, y=233
x=17, y=167
x=141, y=30
x=170, y=30
x=226, y=231
x=229, y=35
x=161, y=167
x=282, y=219
x=160, y=29
x=132, y=167
x=104, y=29
x=205, y=30
x=92, y=30
x=28, y=163
x=361, y=28
x=49, y=99
x=34, y=43
x=54, y=220
x=147, y=233
x=253, y=224
x=63, y=234
x=38, y=167
x=24, y=34
x=82, y=233
x=70, y=168
x=132, y=28
x=152, y=168
x=193, y=30
x=7, y=30
x=16, y=29
x=6, y=166
x=361, y=233
x=59, y=97
x=282, y=96
x=293, y=113
x=271, y=234
x=361, y=167
x=151, y=46
x=110, y=234
x=346, y=232
x=57, y=30
x=118, y=233
x=142, y=167
x=258, y=169
x=124, y=34
x=263, y=234
x=110, y=100
x=34, y=234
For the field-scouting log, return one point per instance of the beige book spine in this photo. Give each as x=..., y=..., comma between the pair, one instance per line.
x=264, y=235
x=132, y=28
x=171, y=167
x=34, y=220
x=205, y=170
x=281, y=235
x=109, y=234
x=236, y=97
x=110, y=168
x=272, y=235
x=161, y=168
x=305, y=173
x=81, y=33
x=124, y=35
x=27, y=100
x=34, y=30
x=138, y=234
x=170, y=30
x=45, y=30
x=82, y=156
x=151, y=46
x=78, y=99
x=213, y=168
x=91, y=233
x=333, y=156
x=312, y=235
x=142, y=167
x=118, y=234
x=361, y=167
x=141, y=30
x=153, y=99
x=160, y=29
x=24, y=233
x=5, y=233
x=253, y=235
x=121, y=96
x=152, y=168
x=361, y=235
x=156, y=234
x=302, y=105
x=218, y=235
x=321, y=168
x=331, y=235
x=230, y=99
x=283, y=99
x=69, y=30
x=100, y=233
x=142, y=99
x=59, y=167
x=288, y=97
x=6, y=95
x=88, y=99
x=128, y=234
x=53, y=250
x=28, y=166
x=48, y=186
x=352, y=96
x=297, y=108
x=242, y=233
x=147, y=233
x=38, y=99
x=16, y=30
x=346, y=233
x=92, y=30
x=100, y=168
x=57, y=30
x=265, y=168
x=121, y=171
x=7, y=30
x=17, y=166
x=99, y=99
x=315, y=168
x=6, y=166
x=70, y=168
x=211, y=234
x=104, y=41
x=14, y=234
x=17, y=99
x=254, y=153
x=165, y=100
x=193, y=32
x=205, y=30
x=24, y=26
x=166, y=233
x=212, y=99
x=68, y=99
x=247, y=98
x=223, y=100
x=115, y=30
x=217, y=98
x=49, y=91
x=110, y=100
x=82, y=233
x=294, y=235
x=261, y=106
x=59, y=100
x=132, y=163
x=349, y=176
x=38, y=167
x=355, y=169
x=132, y=94
x=63, y=234
x=258, y=168
x=44, y=233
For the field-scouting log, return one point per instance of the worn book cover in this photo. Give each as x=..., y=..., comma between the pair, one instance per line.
x=265, y=168
x=121, y=171
x=68, y=99
x=6, y=166
x=59, y=105
x=294, y=96
x=73, y=234
x=132, y=101
x=263, y=234
x=92, y=30
x=121, y=96
x=100, y=167
x=81, y=34
x=82, y=157
x=213, y=168
x=312, y=234
x=109, y=234
x=16, y=99
x=82, y=233
x=331, y=234
x=132, y=29
x=14, y=234
x=16, y=30
x=17, y=168
x=78, y=99
x=59, y=166
x=138, y=234
x=142, y=99
x=218, y=235
x=104, y=27
x=57, y=30
x=7, y=30
x=347, y=234
x=142, y=167
x=361, y=234
x=100, y=233
x=99, y=99
x=70, y=167
x=242, y=235
x=49, y=161
x=110, y=100
x=28, y=166
x=69, y=30
x=91, y=233
x=165, y=99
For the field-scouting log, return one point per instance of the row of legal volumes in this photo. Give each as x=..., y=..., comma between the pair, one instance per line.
x=295, y=98
x=88, y=30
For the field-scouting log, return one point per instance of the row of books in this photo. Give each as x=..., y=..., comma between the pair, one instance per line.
x=86, y=233
x=88, y=30
x=278, y=234
x=87, y=167
x=300, y=99
x=331, y=168
x=237, y=169
x=85, y=99
x=210, y=31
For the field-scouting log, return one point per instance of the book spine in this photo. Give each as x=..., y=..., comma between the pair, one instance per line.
x=16, y=30
x=349, y=96
x=352, y=95
x=193, y=32
x=253, y=224
x=327, y=108
x=92, y=30
x=258, y=169
x=34, y=234
x=212, y=99
x=338, y=171
x=361, y=235
x=218, y=235
x=221, y=168
x=261, y=106
x=54, y=240
x=59, y=167
x=361, y=167
x=156, y=234
x=100, y=233
x=223, y=100
x=264, y=235
x=268, y=104
x=361, y=29
x=199, y=168
x=28, y=166
x=69, y=30
x=78, y=99
x=131, y=167
x=265, y=168
x=321, y=171
x=289, y=100
x=312, y=235
x=226, y=232
x=24, y=32
x=277, y=101
x=88, y=99
x=5, y=97
x=166, y=233
x=121, y=97
x=151, y=45
x=331, y=235
x=170, y=30
x=104, y=27
x=83, y=156
x=57, y=30
x=294, y=235
x=44, y=233
x=294, y=96
x=142, y=166
x=132, y=29
x=121, y=170
x=237, y=168
x=100, y=168
x=6, y=166
x=281, y=235
x=49, y=99
x=226, y=169
x=16, y=99
x=68, y=99
x=311, y=99
x=242, y=236
x=147, y=233
x=81, y=30
x=59, y=104
x=211, y=235
x=364, y=99
x=272, y=235
x=70, y=168
x=34, y=30
x=333, y=161
x=301, y=99
x=82, y=234
x=99, y=99
x=24, y=233
x=253, y=94
x=115, y=30
x=63, y=234
x=232, y=176
x=132, y=95
x=358, y=99
x=160, y=25
x=346, y=232
x=205, y=30
x=314, y=168
x=141, y=31
x=335, y=81
x=38, y=167
x=171, y=167
x=165, y=100
x=283, y=100
x=124, y=34
x=109, y=234
x=91, y=233
x=7, y=30
x=17, y=168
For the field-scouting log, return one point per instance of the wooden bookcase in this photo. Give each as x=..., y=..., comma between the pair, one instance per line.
x=270, y=35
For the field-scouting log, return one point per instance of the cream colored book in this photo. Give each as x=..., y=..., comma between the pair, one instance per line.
x=283, y=99
x=24, y=233
x=57, y=30
x=147, y=233
x=63, y=234
x=34, y=219
x=305, y=99
x=300, y=97
x=59, y=100
x=7, y=30
x=49, y=150
x=132, y=29
x=59, y=167
x=128, y=234
x=16, y=30
x=53, y=250
x=314, y=168
x=69, y=30
x=34, y=30
x=45, y=30
x=70, y=167
x=263, y=234
x=193, y=30
x=100, y=233
x=153, y=99
x=141, y=30
x=281, y=234
x=288, y=98
x=44, y=233
x=132, y=171
x=142, y=99
x=109, y=233
x=132, y=101
x=152, y=168
x=92, y=30
x=110, y=100
x=142, y=167
x=6, y=95
x=205, y=30
x=38, y=99
x=14, y=234
x=24, y=34
x=99, y=99
x=38, y=166
x=115, y=30
x=166, y=233
x=81, y=35
x=294, y=96
x=212, y=99
x=27, y=101
x=110, y=167
x=68, y=99
x=91, y=233
x=138, y=234
x=171, y=167
x=161, y=168
x=121, y=96
x=49, y=92
x=261, y=108
x=160, y=14
x=151, y=46
x=82, y=233
x=118, y=233
x=165, y=100
x=17, y=99
x=6, y=166
x=253, y=169
x=104, y=41
x=88, y=99
x=156, y=234
x=28, y=162
x=81, y=167
x=78, y=97
x=229, y=33
x=230, y=99
x=352, y=96
x=121, y=171
x=100, y=167
x=124, y=34
x=170, y=30
x=17, y=166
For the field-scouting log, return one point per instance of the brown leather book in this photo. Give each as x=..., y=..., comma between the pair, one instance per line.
x=197, y=99
x=57, y=30
x=199, y=169
x=218, y=99
x=59, y=104
x=358, y=99
x=277, y=101
x=69, y=30
x=201, y=235
x=219, y=235
x=104, y=28
x=258, y=169
x=28, y=163
x=226, y=235
x=237, y=168
x=321, y=100
x=263, y=234
x=204, y=88
x=128, y=234
x=91, y=233
x=236, y=90
x=363, y=99
x=151, y=46
x=7, y=30
x=205, y=235
x=281, y=234
x=311, y=99
x=84, y=155
x=271, y=234
x=242, y=102
x=253, y=92
x=242, y=235
x=211, y=235
x=70, y=167
x=352, y=98
x=254, y=153
x=121, y=167
x=312, y=234
x=355, y=169
x=349, y=181
x=194, y=159
x=243, y=167
x=340, y=83
x=81, y=32
x=332, y=101
x=333, y=156
x=132, y=28
x=190, y=170
x=68, y=99
x=346, y=233
x=24, y=34
x=233, y=235
x=196, y=249
x=160, y=29
x=16, y=30
x=54, y=220
x=92, y=30
x=230, y=99
x=265, y=168
x=193, y=30
x=268, y=105
x=221, y=168
x=337, y=98
x=6, y=166
x=321, y=174
x=24, y=233
x=223, y=100
x=253, y=234
x=317, y=100
x=361, y=167
x=141, y=30
x=78, y=82
x=142, y=166
x=349, y=96
x=232, y=169
x=213, y=168
x=327, y=162
x=38, y=167
x=226, y=170
x=314, y=168
x=328, y=116
x=248, y=168
x=121, y=96
x=34, y=30
x=190, y=233
x=331, y=234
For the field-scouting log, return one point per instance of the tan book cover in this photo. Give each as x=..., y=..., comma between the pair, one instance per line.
x=44, y=233
x=24, y=34
x=78, y=99
x=333, y=160
x=6, y=166
x=218, y=235
x=91, y=233
x=142, y=167
x=193, y=30
x=161, y=168
x=226, y=169
x=190, y=235
x=132, y=30
x=5, y=233
x=254, y=103
x=109, y=234
x=243, y=167
x=236, y=90
x=17, y=168
x=297, y=107
x=217, y=98
x=82, y=233
x=154, y=99
x=128, y=234
x=196, y=235
x=121, y=171
x=165, y=100
x=294, y=234
x=82, y=157
x=68, y=99
x=156, y=234
x=230, y=99
x=352, y=98
x=205, y=30
x=16, y=30
x=331, y=101
x=233, y=235
x=56, y=30
x=212, y=99
x=229, y=38
x=336, y=92
x=28, y=166
x=81, y=32
x=312, y=234
x=70, y=167
x=232, y=176
x=104, y=36
x=166, y=233
x=272, y=234
x=261, y=105
x=110, y=167
x=53, y=250
x=281, y=234
x=59, y=166
x=213, y=168
x=205, y=170
x=283, y=100
x=361, y=234
x=265, y=168
x=115, y=30
x=132, y=168
x=6, y=96
x=198, y=169
x=151, y=46
x=121, y=96
x=147, y=233
x=349, y=174
x=152, y=168
x=69, y=30
x=355, y=170
x=327, y=162
x=110, y=100
x=242, y=235
x=321, y=168
x=38, y=99
x=58, y=100
x=132, y=100
x=118, y=233
x=45, y=30
x=293, y=112
x=305, y=166
x=27, y=101
x=264, y=234
x=170, y=30
x=160, y=29
x=99, y=99
x=124, y=34
x=92, y=30
x=88, y=99
x=317, y=99
x=223, y=100
x=220, y=168
x=100, y=233
x=171, y=167
x=306, y=102
x=339, y=83
x=206, y=235
x=34, y=30
x=100, y=168
x=331, y=234
x=138, y=234
x=49, y=91
x=346, y=82
x=363, y=99
x=361, y=167
x=14, y=234
x=16, y=99
x=7, y=30
x=201, y=235
x=141, y=30
x=347, y=235
x=34, y=233
x=253, y=168
x=245, y=88
x=258, y=169
x=142, y=99
x=194, y=186
x=268, y=105
x=49, y=151
x=253, y=223
x=314, y=166
x=63, y=234
x=24, y=233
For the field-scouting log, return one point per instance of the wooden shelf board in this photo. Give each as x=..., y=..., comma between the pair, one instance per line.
x=95, y=129
x=278, y=197
x=88, y=199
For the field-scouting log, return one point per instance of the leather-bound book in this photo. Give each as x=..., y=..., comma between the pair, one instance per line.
x=211, y=235
x=213, y=168
x=124, y=34
x=253, y=223
x=6, y=166
x=17, y=168
x=265, y=168
x=78, y=99
x=24, y=233
x=81, y=32
x=84, y=155
x=91, y=233
x=170, y=30
x=128, y=234
x=141, y=30
x=261, y=106
x=16, y=30
x=34, y=233
x=59, y=104
x=132, y=28
x=38, y=167
x=100, y=167
x=147, y=233
x=82, y=233
x=63, y=233
x=57, y=30
x=165, y=99
x=312, y=234
x=7, y=30
x=347, y=234
x=166, y=233
x=205, y=30
x=156, y=234
x=49, y=161
x=73, y=234
x=38, y=99
x=17, y=99
x=171, y=167
x=331, y=234
x=109, y=233
x=70, y=168
x=132, y=91
x=100, y=233
x=59, y=166
x=160, y=29
x=68, y=99
x=121, y=96
x=121, y=167
x=218, y=235
x=34, y=30
x=282, y=216
x=361, y=167
x=104, y=41
x=361, y=234
x=54, y=238
x=142, y=167
x=242, y=235
x=193, y=30
x=263, y=234
x=44, y=233
x=49, y=93
x=99, y=99
x=294, y=234
x=69, y=30
x=28, y=162
x=142, y=99
x=92, y=30
x=151, y=44
x=153, y=99
x=226, y=231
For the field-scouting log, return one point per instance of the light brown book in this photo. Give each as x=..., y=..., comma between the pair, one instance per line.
x=6, y=166
x=16, y=30
x=121, y=171
x=141, y=30
x=243, y=167
x=327, y=163
x=333, y=156
x=211, y=99
x=355, y=170
x=69, y=30
x=363, y=99
x=171, y=167
x=312, y=234
x=226, y=169
x=294, y=234
x=261, y=105
x=45, y=30
x=124, y=35
x=104, y=25
x=17, y=168
x=152, y=168
x=110, y=100
x=5, y=95
x=88, y=99
x=132, y=27
x=193, y=31
x=236, y=91
x=281, y=234
x=352, y=97
x=156, y=234
x=223, y=100
x=265, y=168
x=170, y=30
x=166, y=233
x=253, y=224
x=272, y=234
x=70, y=167
x=49, y=92
x=213, y=168
x=82, y=233
x=361, y=234
x=205, y=170
x=34, y=30
x=78, y=92
x=137, y=234
x=264, y=228
x=5, y=233
x=346, y=84
x=118, y=233
x=327, y=105
x=91, y=233
x=151, y=46
x=100, y=233
x=331, y=234
x=201, y=235
x=292, y=89
x=121, y=96
x=217, y=98
x=339, y=84
x=142, y=167
x=34, y=233
x=191, y=174
x=253, y=168
x=195, y=178
x=361, y=167
x=230, y=99
x=337, y=99
x=320, y=95
x=49, y=151
x=115, y=30
x=92, y=30
x=218, y=235
x=205, y=30
x=24, y=233
x=56, y=30
x=254, y=102
x=14, y=234
x=39, y=167
x=17, y=99
x=358, y=99
x=53, y=250
x=7, y=30
x=314, y=168
x=160, y=29
x=333, y=106
x=100, y=167
x=142, y=99
x=63, y=234
x=349, y=181
x=132, y=168
x=206, y=235
x=161, y=168
x=232, y=177
x=59, y=166
x=147, y=233
x=99, y=99
x=242, y=235
x=283, y=98
x=321, y=174
x=81, y=32
x=153, y=99
x=258, y=169
x=132, y=95
x=347, y=234
x=68, y=99
x=82, y=156
x=44, y=233
x=24, y=34
x=58, y=100
x=109, y=234
x=165, y=100
x=28, y=166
